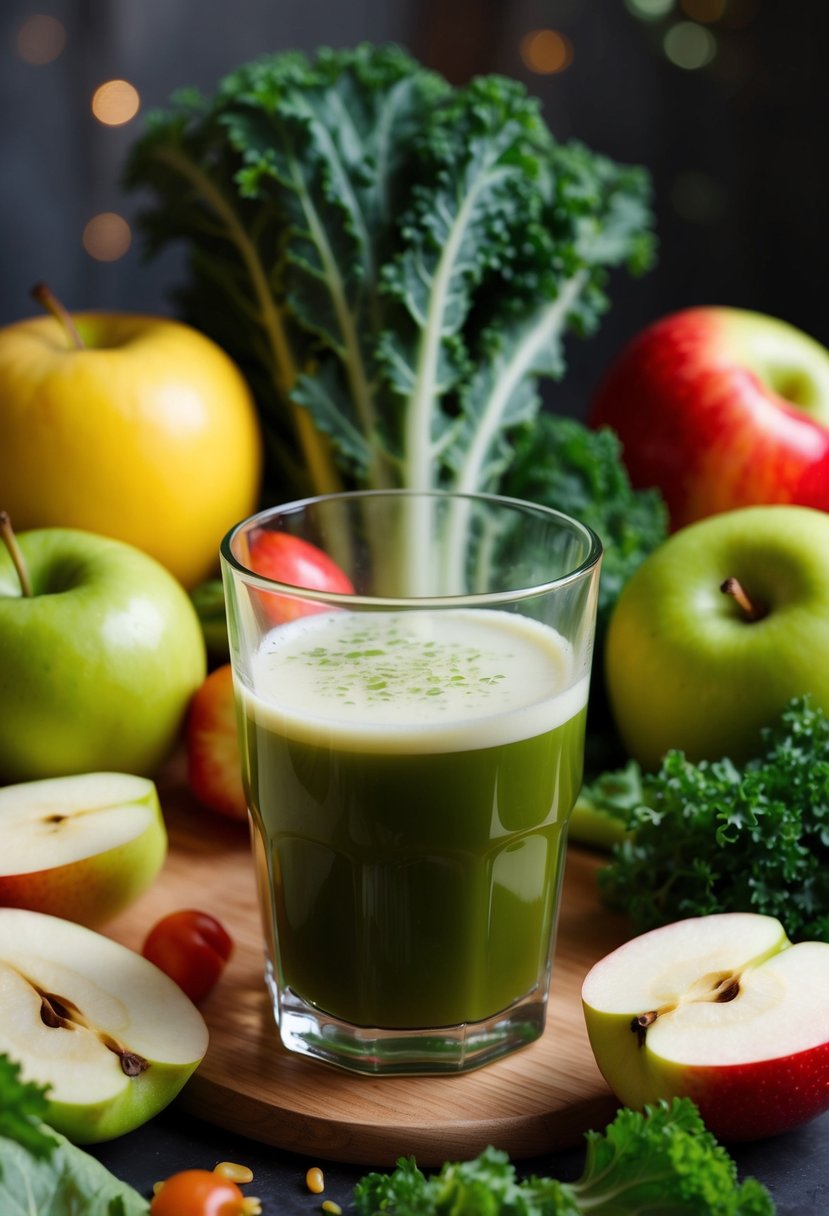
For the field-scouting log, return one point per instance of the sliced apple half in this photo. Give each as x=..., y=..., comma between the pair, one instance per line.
x=722, y=1009
x=112, y=1036
x=81, y=847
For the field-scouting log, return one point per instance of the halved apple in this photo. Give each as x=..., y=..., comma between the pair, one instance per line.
x=82, y=847
x=113, y=1037
x=722, y=1009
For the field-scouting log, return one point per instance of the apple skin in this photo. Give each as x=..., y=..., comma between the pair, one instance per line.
x=685, y=669
x=98, y=840
x=721, y=408
x=121, y=996
x=98, y=666
x=705, y=1054
x=148, y=435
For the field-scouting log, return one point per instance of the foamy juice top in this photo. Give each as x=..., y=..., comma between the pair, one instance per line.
x=415, y=681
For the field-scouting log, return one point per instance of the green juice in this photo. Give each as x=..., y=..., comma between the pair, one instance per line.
x=410, y=778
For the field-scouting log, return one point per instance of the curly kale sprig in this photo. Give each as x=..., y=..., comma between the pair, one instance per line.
x=662, y=1161
x=715, y=837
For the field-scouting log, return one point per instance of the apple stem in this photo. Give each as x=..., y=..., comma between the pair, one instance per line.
x=754, y=610
x=44, y=295
x=10, y=541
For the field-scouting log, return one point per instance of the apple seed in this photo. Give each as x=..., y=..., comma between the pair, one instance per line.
x=62, y=1014
x=719, y=988
x=729, y=993
x=640, y=1024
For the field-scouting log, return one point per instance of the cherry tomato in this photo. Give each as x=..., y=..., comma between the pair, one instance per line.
x=192, y=948
x=297, y=563
x=198, y=1193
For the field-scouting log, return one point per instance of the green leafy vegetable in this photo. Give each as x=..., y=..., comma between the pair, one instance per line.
x=41, y=1171
x=22, y=1107
x=663, y=1162
x=69, y=1182
x=394, y=262
x=561, y=463
x=714, y=837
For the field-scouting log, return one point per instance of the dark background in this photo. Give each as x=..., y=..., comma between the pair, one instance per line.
x=736, y=146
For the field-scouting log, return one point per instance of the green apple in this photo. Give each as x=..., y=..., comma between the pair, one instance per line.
x=717, y=630
x=81, y=847
x=98, y=664
x=721, y=1009
x=112, y=1036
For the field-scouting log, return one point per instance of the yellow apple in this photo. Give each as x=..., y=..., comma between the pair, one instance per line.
x=140, y=428
x=82, y=847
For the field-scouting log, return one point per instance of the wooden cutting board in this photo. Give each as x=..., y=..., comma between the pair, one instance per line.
x=543, y=1097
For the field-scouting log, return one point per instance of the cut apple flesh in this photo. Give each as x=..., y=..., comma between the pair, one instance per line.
x=81, y=847
x=722, y=1009
x=683, y=961
x=770, y=1011
x=111, y=1035
x=717, y=990
x=74, y=812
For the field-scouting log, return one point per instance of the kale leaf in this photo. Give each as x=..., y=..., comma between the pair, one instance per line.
x=41, y=1171
x=663, y=1160
x=392, y=261
x=717, y=837
x=23, y=1105
x=561, y=463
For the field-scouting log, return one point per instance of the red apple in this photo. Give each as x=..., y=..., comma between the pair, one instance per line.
x=295, y=563
x=721, y=408
x=214, y=766
x=722, y=1009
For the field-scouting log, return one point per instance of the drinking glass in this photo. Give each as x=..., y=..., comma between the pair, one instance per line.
x=412, y=735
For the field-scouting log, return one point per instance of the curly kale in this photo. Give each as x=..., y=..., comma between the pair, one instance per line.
x=715, y=837
x=663, y=1160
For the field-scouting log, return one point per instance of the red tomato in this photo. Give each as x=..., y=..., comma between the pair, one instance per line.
x=198, y=1193
x=296, y=562
x=192, y=948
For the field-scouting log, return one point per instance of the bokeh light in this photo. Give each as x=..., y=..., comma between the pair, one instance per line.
x=107, y=237
x=690, y=46
x=546, y=51
x=115, y=102
x=650, y=10
x=40, y=39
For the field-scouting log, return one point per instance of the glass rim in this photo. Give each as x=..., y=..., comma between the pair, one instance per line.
x=340, y=599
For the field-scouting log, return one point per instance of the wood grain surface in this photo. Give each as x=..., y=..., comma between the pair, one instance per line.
x=543, y=1097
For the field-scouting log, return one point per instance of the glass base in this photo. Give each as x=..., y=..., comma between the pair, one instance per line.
x=376, y=1052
